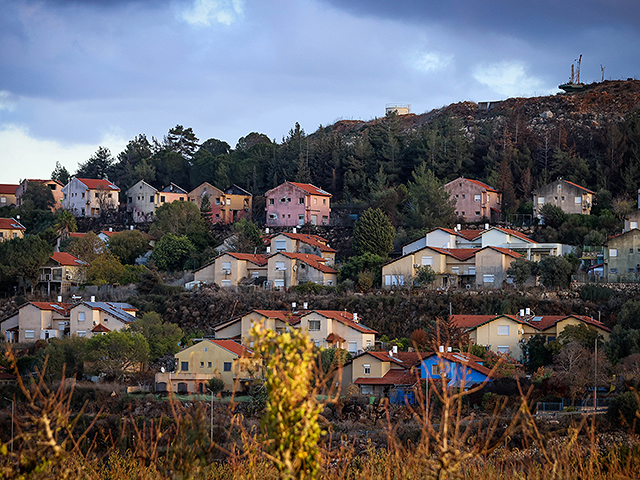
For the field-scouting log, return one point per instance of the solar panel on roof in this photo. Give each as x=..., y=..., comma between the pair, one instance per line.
x=536, y=319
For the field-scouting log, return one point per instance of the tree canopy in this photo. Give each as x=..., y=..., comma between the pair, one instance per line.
x=373, y=233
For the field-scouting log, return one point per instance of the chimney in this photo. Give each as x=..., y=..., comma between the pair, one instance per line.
x=268, y=250
x=293, y=305
x=395, y=349
x=458, y=227
x=391, y=353
x=528, y=310
x=295, y=230
x=59, y=298
x=305, y=305
x=449, y=349
x=266, y=230
x=355, y=317
x=522, y=312
x=93, y=298
x=111, y=229
x=441, y=349
x=486, y=226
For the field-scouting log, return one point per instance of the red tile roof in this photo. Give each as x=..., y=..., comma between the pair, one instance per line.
x=95, y=184
x=406, y=359
x=512, y=232
x=395, y=376
x=232, y=347
x=580, y=187
x=76, y=234
x=545, y=322
x=471, y=321
x=312, y=189
x=99, y=328
x=260, y=260
x=10, y=224
x=67, y=260
x=343, y=317
x=311, y=260
x=59, y=307
x=458, y=253
x=312, y=240
x=8, y=188
x=284, y=315
x=333, y=338
x=108, y=233
x=483, y=185
x=467, y=360
x=468, y=234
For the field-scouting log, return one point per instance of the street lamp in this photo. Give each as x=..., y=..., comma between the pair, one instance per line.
x=13, y=408
x=211, y=433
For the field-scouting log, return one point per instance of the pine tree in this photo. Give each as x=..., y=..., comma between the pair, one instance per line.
x=373, y=233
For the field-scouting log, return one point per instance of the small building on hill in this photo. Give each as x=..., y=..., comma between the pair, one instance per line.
x=475, y=201
x=291, y=204
x=569, y=196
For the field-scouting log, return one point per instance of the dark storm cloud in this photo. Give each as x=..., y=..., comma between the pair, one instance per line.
x=540, y=20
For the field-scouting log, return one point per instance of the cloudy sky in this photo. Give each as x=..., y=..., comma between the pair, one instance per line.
x=76, y=74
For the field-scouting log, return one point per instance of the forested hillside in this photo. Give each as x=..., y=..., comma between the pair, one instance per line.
x=591, y=138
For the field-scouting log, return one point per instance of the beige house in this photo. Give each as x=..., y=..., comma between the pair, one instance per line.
x=375, y=373
x=10, y=228
x=303, y=243
x=502, y=333
x=198, y=364
x=327, y=328
x=62, y=271
x=87, y=319
x=475, y=201
x=37, y=321
x=54, y=185
x=142, y=202
x=8, y=194
x=491, y=264
x=453, y=266
x=622, y=257
x=570, y=197
x=286, y=269
x=226, y=206
x=231, y=269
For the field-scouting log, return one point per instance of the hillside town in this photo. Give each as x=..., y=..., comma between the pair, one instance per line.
x=159, y=273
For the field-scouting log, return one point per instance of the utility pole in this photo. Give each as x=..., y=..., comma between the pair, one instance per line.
x=595, y=378
x=211, y=431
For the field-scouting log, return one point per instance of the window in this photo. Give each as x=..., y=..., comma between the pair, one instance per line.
x=436, y=370
x=82, y=333
x=578, y=200
x=206, y=349
x=209, y=365
x=281, y=245
x=280, y=266
x=184, y=366
x=201, y=364
x=301, y=201
x=464, y=196
x=476, y=198
x=366, y=389
x=324, y=201
x=427, y=260
x=613, y=270
x=227, y=366
x=353, y=347
x=540, y=200
x=503, y=329
x=563, y=198
x=255, y=274
x=81, y=317
x=555, y=198
x=503, y=349
x=368, y=343
x=300, y=219
x=631, y=250
x=472, y=270
x=315, y=201
x=162, y=198
x=613, y=252
x=130, y=200
x=477, y=213
x=226, y=265
x=226, y=283
x=487, y=278
x=228, y=201
x=278, y=282
x=105, y=320
x=367, y=369
x=633, y=224
x=394, y=279
x=455, y=270
x=314, y=325
x=29, y=334
x=463, y=214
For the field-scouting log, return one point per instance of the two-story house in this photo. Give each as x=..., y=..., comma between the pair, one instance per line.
x=141, y=201
x=62, y=271
x=87, y=319
x=196, y=365
x=171, y=193
x=231, y=269
x=291, y=204
x=8, y=194
x=226, y=206
x=286, y=269
x=37, y=321
x=475, y=201
x=569, y=196
x=302, y=243
x=622, y=257
x=54, y=185
x=10, y=228
x=90, y=197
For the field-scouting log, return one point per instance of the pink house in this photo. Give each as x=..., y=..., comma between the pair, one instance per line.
x=475, y=201
x=292, y=204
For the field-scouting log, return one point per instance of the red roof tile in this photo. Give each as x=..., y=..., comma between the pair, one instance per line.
x=10, y=224
x=343, y=317
x=458, y=253
x=311, y=260
x=468, y=361
x=284, y=315
x=232, y=347
x=580, y=187
x=312, y=240
x=96, y=183
x=312, y=189
x=59, y=307
x=8, y=188
x=481, y=184
x=66, y=259
x=99, y=328
x=395, y=376
x=506, y=251
x=260, y=260
x=512, y=232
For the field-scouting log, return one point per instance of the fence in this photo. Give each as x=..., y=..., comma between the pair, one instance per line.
x=580, y=403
